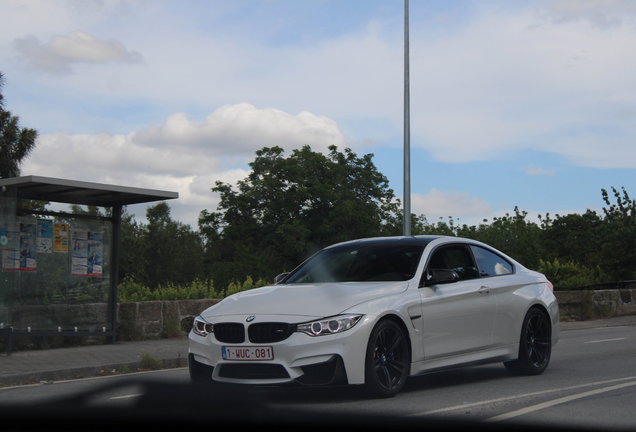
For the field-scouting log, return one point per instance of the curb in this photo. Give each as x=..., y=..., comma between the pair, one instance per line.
x=83, y=372
x=617, y=321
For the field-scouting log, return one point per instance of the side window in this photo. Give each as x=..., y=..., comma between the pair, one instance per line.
x=455, y=258
x=490, y=264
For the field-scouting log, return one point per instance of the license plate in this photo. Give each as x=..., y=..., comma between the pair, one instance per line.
x=248, y=353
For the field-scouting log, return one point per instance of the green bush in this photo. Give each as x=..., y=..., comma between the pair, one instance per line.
x=236, y=287
x=570, y=275
x=130, y=291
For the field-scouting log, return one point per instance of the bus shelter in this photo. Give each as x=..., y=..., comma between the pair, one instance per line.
x=59, y=270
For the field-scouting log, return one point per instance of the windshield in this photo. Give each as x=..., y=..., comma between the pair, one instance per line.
x=360, y=263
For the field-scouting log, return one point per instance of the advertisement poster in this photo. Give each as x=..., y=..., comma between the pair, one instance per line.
x=79, y=253
x=7, y=236
x=10, y=243
x=86, y=255
x=45, y=236
x=27, y=247
x=10, y=260
x=60, y=237
x=94, y=260
x=10, y=236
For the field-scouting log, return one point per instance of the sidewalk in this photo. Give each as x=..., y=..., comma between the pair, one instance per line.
x=28, y=367
x=85, y=361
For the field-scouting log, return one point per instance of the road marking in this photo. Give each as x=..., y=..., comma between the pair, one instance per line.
x=507, y=398
x=126, y=396
x=556, y=402
x=606, y=340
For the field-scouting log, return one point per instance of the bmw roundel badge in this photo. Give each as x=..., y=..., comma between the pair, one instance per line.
x=250, y=318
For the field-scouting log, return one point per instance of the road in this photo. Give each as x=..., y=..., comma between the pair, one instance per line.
x=591, y=382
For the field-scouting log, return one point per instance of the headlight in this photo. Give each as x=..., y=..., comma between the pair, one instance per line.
x=337, y=324
x=202, y=327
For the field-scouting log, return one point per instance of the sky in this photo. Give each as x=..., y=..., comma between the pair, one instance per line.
x=528, y=104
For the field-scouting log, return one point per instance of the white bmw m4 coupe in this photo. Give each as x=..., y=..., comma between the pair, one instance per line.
x=375, y=311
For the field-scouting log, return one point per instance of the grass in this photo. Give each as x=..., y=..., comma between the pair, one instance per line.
x=171, y=329
x=150, y=362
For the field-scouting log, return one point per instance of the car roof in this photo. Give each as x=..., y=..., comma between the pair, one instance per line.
x=420, y=240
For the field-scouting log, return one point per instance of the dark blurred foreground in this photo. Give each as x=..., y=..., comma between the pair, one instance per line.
x=177, y=406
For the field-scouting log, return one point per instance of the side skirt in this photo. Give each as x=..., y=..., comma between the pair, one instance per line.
x=493, y=355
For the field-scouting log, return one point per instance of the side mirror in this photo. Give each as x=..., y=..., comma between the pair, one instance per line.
x=441, y=276
x=278, y=279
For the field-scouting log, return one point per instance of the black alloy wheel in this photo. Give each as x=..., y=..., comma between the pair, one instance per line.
x=535, y=345
x=387, y=361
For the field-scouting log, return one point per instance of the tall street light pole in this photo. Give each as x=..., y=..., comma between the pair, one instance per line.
x=407, y=127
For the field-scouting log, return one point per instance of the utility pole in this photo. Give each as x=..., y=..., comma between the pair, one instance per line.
x=407, y=127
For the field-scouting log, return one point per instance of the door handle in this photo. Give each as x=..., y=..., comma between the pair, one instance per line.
x=484, y=290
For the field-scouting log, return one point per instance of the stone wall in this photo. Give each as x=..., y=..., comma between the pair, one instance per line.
x=596, y=304
x=149, y=317
x=155, y=318
x=91, y=316
x=173, y=318
x=134, y=320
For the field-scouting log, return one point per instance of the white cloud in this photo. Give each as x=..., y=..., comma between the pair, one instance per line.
x=487, y=82
x=57, y=55
x=594, y=151
x=242, y=128
x=516, y=80
x=45, y=17
x=459, y=205
x=500, y=80
x=535, y=171
x=181, y=155
x=602, y=13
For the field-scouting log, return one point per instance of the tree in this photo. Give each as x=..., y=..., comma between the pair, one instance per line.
x=574, y=238
x=173, y=252
x=289, y=208
x=132, y=246
x=619, y=236
x=16, y=143
x=513, y=235
x=162, y=252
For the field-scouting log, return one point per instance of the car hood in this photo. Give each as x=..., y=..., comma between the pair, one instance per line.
x=303, y=300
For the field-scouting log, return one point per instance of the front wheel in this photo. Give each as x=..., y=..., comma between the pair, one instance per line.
x=535, y=345
x=387, y=360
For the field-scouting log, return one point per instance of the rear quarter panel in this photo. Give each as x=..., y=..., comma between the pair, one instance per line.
x=528, y=289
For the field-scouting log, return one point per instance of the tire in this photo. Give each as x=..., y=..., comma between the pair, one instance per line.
x=535, y=345
x=387, y=360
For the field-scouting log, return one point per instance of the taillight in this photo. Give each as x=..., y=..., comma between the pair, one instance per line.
x=550, y=286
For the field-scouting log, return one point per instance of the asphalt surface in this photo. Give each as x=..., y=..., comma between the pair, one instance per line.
x=29, y=367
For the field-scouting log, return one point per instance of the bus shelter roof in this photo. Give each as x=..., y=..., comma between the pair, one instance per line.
x=81, y=192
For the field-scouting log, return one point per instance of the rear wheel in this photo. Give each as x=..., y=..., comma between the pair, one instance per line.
x=387, y=360
x=535, y=345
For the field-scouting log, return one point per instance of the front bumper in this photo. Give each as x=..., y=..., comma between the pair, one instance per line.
x=331, y=372
x=304, y=359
